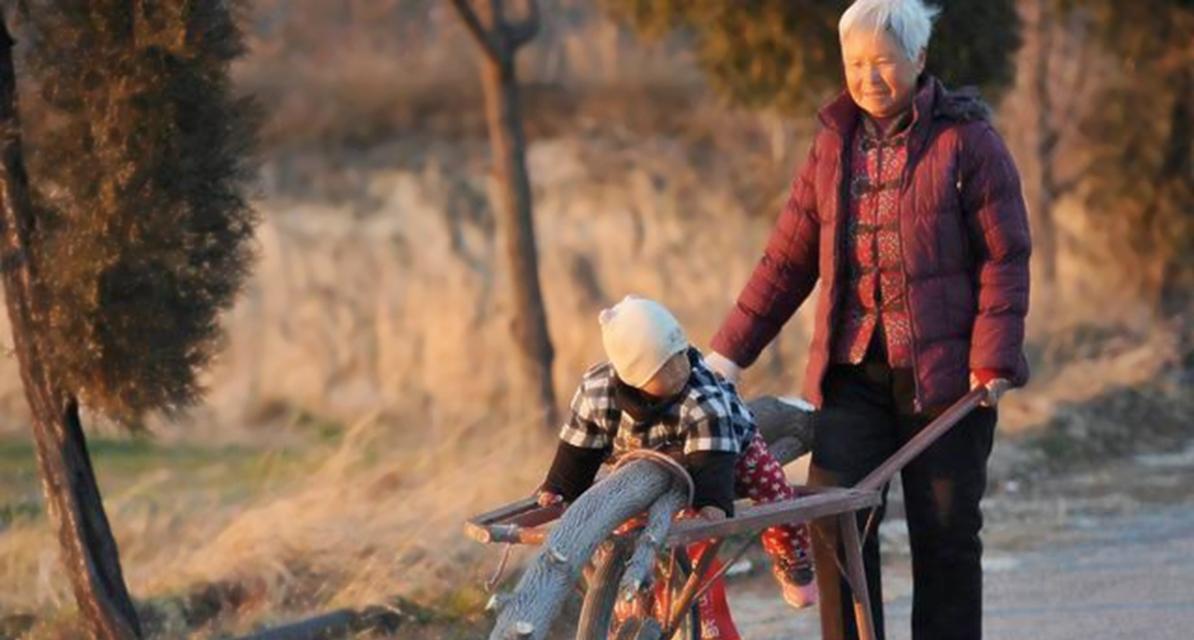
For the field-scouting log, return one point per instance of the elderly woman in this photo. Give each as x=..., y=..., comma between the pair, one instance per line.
x=909, y=214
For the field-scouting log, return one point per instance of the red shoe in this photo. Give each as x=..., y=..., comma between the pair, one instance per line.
x=797, y=584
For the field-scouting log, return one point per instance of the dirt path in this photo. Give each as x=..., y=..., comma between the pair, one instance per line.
x=1102, y=553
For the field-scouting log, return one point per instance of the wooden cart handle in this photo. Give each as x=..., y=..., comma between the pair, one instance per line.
x=519, y=522
x=927, y=436
x=500, y=533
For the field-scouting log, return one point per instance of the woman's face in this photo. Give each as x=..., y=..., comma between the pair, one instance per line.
x=879, y=77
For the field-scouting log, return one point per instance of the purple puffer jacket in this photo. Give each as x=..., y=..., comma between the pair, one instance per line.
x=965, y=249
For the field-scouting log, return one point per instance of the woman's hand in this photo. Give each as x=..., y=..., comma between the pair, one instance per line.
x=711, y=513
x=995, y=383
x=724, y=366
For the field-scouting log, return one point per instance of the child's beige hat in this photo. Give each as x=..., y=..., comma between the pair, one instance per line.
x=639, y=336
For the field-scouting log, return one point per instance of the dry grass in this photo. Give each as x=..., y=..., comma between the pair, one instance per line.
x=376, y=516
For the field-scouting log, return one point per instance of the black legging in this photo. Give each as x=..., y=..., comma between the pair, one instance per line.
x=866, y=415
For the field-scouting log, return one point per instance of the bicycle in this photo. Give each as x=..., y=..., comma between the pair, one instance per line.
x=653, y=556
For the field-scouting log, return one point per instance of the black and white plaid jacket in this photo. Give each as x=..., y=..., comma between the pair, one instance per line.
x=708, y=417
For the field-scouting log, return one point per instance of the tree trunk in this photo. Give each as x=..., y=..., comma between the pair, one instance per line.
x=73, y=500
x=529, y=325
x=499, y=40
x=1176, y=171
x=1044, y=232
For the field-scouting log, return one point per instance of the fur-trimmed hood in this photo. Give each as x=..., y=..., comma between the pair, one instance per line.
x=962, y=105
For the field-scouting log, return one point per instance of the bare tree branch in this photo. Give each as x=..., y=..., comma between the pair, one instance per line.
x=525, y=30
x=485, y=38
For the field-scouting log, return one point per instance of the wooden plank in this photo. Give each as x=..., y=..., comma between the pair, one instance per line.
x=505, y=511
x=856, y=576
x=759, y=517
x=336, y=623
x=536, y=517
x=524, y=513
x=502, y=533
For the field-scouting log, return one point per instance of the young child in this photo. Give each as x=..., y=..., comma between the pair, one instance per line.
x=657, y=392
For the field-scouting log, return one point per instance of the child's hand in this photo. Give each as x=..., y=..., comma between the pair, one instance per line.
x=711, y=513
x=547, y=499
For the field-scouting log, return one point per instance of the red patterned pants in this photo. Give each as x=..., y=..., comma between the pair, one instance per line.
x=759, y=476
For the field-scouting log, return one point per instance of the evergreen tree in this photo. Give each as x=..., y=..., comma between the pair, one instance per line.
x=124, y=237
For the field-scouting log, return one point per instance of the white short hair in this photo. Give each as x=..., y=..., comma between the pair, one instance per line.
x=908, y=21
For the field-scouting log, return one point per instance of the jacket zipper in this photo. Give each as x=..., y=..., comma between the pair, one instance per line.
x=839, y=246
x=907, y=172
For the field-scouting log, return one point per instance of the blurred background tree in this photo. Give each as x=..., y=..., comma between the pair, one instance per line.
x=785, y=54
x=126, y=234
x=1140, y=183
x=1060, y=69
x=499, y=38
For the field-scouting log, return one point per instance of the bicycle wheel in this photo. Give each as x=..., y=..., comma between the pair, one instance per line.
x=602, y=589
x=596, y=617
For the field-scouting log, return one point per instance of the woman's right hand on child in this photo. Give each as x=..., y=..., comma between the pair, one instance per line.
x=547, y=499
x=724, y=366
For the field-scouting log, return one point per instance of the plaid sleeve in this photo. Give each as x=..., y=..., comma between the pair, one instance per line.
x=584, y=427
x=715, y=418
x=709, y=425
